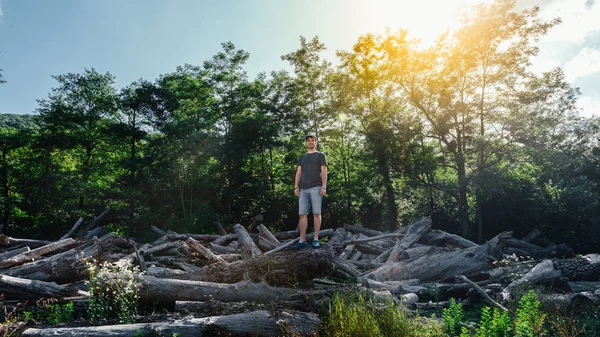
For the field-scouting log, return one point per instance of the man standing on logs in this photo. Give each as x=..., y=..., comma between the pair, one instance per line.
x=312, y=172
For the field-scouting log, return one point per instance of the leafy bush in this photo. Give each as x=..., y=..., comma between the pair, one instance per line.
x=114, y=292
x=530, y=319
x=494, y=323
x=453, y=318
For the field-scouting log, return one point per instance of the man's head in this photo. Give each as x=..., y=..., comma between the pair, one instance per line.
x=311, y=142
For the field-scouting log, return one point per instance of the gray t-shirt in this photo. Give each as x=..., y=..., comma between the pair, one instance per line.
x=311, y=169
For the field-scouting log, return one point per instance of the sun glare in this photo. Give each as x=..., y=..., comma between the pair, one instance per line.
x=424, y=20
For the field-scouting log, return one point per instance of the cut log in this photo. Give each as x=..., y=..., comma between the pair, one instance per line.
x=153, y=288
x=413, y=234
x=66, y=267
x=443, y=265
x=264, y=231
x=7, y=241
x=147, y=250
x=584, y=286
x=220, y=228
x=286, y=235
x=96, y=232
x=570, y=302
x=248, y=247
x=255, y=323
x=14, y=288
x=373, y=238
x=198, y=237
x=436, y=237
x=13, y=252
x=30, y=255
x=337, y=237
x=224, y=240
x=200, y=249
x=282, y=268
x=363, y=230
x=75, y=226
x=162, y=272
x=158, y=230
x=222, y=249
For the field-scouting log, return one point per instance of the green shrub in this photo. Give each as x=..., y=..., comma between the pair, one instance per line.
x=453, y=318
x=494, y=323
x=530, y=319
x=114, y=292
x=62, y=313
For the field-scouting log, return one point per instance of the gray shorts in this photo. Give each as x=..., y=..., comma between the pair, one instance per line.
x=311, y=196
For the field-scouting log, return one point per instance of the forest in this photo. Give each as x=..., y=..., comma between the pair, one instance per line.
x=461, y=131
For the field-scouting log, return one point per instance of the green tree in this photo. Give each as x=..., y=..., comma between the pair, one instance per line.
x=75, y=118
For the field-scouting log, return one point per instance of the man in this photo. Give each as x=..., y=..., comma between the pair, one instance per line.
x=312, y=172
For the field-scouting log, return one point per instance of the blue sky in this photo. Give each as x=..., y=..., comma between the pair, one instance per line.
x=135, y=39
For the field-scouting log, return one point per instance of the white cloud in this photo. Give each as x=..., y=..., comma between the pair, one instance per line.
x=585, y=63
x=589, y=106
x=579, y=19
x=1, y=12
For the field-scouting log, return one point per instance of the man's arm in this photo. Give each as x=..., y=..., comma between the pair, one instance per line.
x=297, y=181
x=323, y=179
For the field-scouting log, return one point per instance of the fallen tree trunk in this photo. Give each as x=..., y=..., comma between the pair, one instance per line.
x=65, y=267
x=14, y=252
x=29, y=255
x=282, y=268
x=153, y=288
x=248, y=247
x=443, y=265
x=15, y=288
x=255, y=323
x=200, y=249
x=69, y=233
x=413, y=234
x=436, y=237
x=7, y=241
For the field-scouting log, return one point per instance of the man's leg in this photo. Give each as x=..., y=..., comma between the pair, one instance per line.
x=317, y=218
x=303, y=224
x=315, y=200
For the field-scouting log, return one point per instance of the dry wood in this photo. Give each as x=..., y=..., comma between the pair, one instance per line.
x=200, y=249
x=338, y=237
x=248, y=247
x=96, y=232
x=222, y=249
x=75, y=226
x=255, y=323
x=443, y=265
x=286, y=235
x=224, y=240
x=265, y=245
x=220, y=228
x=581, y=286
x=153, y=288
x=413, y=234
x=24, y=289
x=373, y=238
x=345, y=254
x=198, y=237
x=30, y=255
x=436, y=237
x=158, y=230
x=14, y=252
x=363, y=230
x=267, y=234
x=282, y=268
x=139, y=257
x=8, y=241
x=66, y=267
x=482, y=292
x=163, y=272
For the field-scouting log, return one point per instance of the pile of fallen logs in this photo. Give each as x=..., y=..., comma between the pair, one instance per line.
x=416, y=265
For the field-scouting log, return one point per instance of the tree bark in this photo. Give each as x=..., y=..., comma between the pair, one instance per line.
x=24, y=289
x=413, y=234
x=28, y=256
x=249, y=248
x=256, y=323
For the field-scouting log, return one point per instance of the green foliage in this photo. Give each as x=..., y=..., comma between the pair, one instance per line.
x=61, y=313
x=453, y=318
x=530, y=319
x=494, y=323
x=114, y=292
x=18, y=122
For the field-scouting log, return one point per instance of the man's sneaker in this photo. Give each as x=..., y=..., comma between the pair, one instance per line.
x=299, y=245
x=315, y=244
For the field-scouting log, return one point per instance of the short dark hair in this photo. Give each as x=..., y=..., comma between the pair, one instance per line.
x=310, y=136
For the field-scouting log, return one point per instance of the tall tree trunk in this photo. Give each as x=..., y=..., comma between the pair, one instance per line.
x=463, y=206
x=392, y=212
